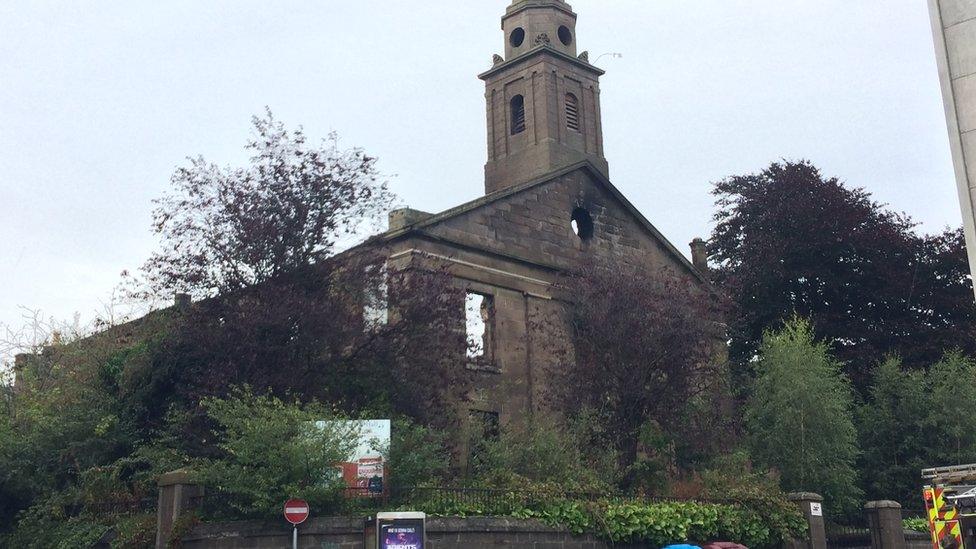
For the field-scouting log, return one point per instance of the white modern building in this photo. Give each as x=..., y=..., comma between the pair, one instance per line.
x=954, y=27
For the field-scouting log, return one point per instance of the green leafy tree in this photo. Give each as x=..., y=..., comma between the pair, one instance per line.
x=893, y=426
x=51, y=436
x=951, y=401
x=799, y=417
x=418, y=455
x=916, y=419
x=272, y=450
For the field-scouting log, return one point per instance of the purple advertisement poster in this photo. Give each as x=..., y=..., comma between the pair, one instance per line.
x=402, y=534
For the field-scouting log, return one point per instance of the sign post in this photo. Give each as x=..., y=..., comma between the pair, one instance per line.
x=296, y=512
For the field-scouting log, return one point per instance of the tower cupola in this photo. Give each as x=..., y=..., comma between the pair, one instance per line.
x=543, y=97
x=531, y=23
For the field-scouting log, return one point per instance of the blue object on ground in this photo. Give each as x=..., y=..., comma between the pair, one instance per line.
x=682, y=546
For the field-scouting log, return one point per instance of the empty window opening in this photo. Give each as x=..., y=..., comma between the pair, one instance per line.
x=376, y=307
x=565, y=35
x=517, y=37
x=572, y=112
x=582, y=223
x=479, y=311
x=483, y=428
x=518, y=114
x=485, y=424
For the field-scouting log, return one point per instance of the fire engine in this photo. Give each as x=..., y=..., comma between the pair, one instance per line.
x=950, y=505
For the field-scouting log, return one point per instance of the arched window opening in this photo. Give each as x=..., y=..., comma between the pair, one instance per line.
x=572, y=112
x=518, y=114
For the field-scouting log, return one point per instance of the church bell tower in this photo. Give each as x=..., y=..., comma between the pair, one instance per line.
x=543, y=98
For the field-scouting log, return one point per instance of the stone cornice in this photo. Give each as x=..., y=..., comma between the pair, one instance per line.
x=535, y=52
x=518, y=7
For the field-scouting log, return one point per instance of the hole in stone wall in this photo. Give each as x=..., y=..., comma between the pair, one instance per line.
x=517, y=37
x=565, y=35
x=376, y=308
x=582, y=223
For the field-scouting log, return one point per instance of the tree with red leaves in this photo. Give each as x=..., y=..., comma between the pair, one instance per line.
x=282, y=312
x=789, y=241
x=227, y=229
x=645, y=346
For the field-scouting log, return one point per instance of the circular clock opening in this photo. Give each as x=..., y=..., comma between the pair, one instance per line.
x=517, y=37
x=582, y=223
x=565, y=35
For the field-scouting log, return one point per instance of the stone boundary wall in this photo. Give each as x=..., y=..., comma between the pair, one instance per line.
x=346, y=533
x=913, y=540
x=917, y=540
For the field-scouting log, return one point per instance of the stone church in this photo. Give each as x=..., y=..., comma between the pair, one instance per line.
x=549, y=208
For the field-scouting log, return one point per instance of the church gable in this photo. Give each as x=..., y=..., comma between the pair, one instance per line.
x=571, y=220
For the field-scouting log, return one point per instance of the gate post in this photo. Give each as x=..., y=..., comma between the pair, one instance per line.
x=887, y=531
x=178, y=495
x=812, y=507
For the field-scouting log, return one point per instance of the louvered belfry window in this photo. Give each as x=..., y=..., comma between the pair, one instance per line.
x=518, y=114
x=572, y=112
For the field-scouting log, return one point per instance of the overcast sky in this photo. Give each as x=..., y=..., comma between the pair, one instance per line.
x=100, y=101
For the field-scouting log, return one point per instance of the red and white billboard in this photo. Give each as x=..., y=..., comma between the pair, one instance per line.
x=365, y=472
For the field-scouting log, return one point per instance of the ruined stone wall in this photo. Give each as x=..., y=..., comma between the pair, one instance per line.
x=515, y=250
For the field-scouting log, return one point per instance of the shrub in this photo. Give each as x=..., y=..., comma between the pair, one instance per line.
x=916, y=525
x=542, y=453
x=135, y=531
x=418, y=455
x=273, y=450
x=758, y=522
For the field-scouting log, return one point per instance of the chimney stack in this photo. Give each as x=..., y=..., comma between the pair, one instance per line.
x=699, y=256
x=404, y=217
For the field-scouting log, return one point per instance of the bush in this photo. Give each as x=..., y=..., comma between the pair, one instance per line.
x=418, y=455
x=46, y=525
x=916, y=525
x=272, y=451
x=758, y=523
x=136, y=531
x=542, y=453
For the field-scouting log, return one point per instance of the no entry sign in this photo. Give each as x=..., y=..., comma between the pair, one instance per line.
x=296, y=511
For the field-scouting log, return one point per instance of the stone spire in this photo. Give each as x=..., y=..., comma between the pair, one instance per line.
x=543, y=97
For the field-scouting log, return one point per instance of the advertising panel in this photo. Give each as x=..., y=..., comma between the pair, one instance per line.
x=402, y=534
